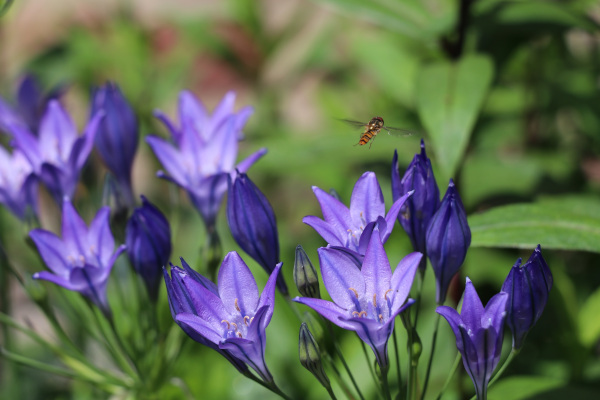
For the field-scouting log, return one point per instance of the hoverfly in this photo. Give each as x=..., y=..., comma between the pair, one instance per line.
x=373, y=127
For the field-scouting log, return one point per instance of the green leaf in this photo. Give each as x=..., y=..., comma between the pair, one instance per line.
x=4, y=6
x=589, y=323
x=522, y=387
x=567, y=223
x=449, y=97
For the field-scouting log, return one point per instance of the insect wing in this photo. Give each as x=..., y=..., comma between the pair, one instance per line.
x=355, y=124
x=398, y=131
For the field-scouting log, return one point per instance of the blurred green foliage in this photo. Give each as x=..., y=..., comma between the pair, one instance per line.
x=504, y=93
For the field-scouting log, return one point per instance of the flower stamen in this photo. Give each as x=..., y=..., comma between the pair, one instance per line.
x=355, y=292
x=227, y=322
x=385, y=294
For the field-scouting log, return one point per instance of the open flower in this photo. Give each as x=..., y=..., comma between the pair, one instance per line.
x=82, y=260
x=18, y=184
x=479, y=334
x=232, y=317
x=351, y=228
x=58, y=154
x=203, y=151
x=365, y=300
x=528, y=287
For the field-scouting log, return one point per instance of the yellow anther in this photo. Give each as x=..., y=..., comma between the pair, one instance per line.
x=234, y=326
x=246, y=320
x=375, y=300
x=355, y=314
x=227, y=322
x=362, y=314
x=380, y=318
x=355, y=292
x=239, y=334
x=386, y=292
x=236, y=305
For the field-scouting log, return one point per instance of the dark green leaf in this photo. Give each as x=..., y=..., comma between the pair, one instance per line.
x=568, y=223
x=449, y=97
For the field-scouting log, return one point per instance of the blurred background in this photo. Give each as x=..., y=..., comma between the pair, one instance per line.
x=529, y=128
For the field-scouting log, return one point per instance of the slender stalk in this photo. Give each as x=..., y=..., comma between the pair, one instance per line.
x=398, y=371
x=373, y=375
x=414, y=353
x=267, y=385
x=422, y=269
x=430, y=362
x=338, y=352
x=338, y=377
x=450, y=375
x=383, y=380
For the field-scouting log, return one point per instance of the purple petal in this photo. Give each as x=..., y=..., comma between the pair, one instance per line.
x=455, y=321
x=472, y=309
x=328, y=310
x=366, y=203
x=82, y=147
x=207, y=283
x=57, y=280
x=267, y=298
x=74, y=229
x=495, y=312
x=237, y=287
x=57, y=133
x=169, y=157
x=100, y=237
x=162, y=117
x=392, y=215
x=52, y=251
x=192, y=115
x=202, y=327
x=245, y=165
x=334, y=212
x=223, y=109
x=342, y=278
x=376, y=268
x=403, y=278
x=326, y=230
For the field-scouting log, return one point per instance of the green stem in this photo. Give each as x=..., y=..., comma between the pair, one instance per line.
x=420, y=288
x=383, y=380
x=267, y=385
x=430, y=362
x=338, y=377
x=450, y=375
x=398, y=371
x=338, y=352
x=373, y=375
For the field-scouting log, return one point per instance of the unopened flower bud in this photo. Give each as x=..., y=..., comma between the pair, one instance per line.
x=305, y=275
x=528, y=286
x=310, y=355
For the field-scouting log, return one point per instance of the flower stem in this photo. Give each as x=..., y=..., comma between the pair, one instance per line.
x=421, y=270
x=430, y=362
x=505, y=365
x=338, y=352
x=450, y=375
x=373, y=375
x=398, y=371
x=385, y=388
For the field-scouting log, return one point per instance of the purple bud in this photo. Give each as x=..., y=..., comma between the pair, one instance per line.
x=117, y=135
x=528, y=286
x=148, y=240
x=252, y=223
x=417, y=211
x=448, y=238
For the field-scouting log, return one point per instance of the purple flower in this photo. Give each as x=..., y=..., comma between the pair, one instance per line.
x=417, y=211
x=148, y=240
x=18, y=185
x=351, y=228
x=528, y=287
x=31, y=103
x=203, y=151
x=117, y=136
x=252, y=223
x=58, y=154
x=479, y=334
x=81, y=261
x=448, y=239
x=231, y=317
x=368, y=299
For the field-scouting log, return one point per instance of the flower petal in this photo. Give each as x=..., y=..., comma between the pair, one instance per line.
x=328, y=310
x=334, y=212
x=244, y=166
x=326, y=230
x=202, y=327
x=342, y=278
x=74, y=229
x=403, y=278
x=376, y=268
x=237, y=287
x=169, y=157
x=100, y=238
x=52, y=251
x=472, y=309
x=367, y=202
